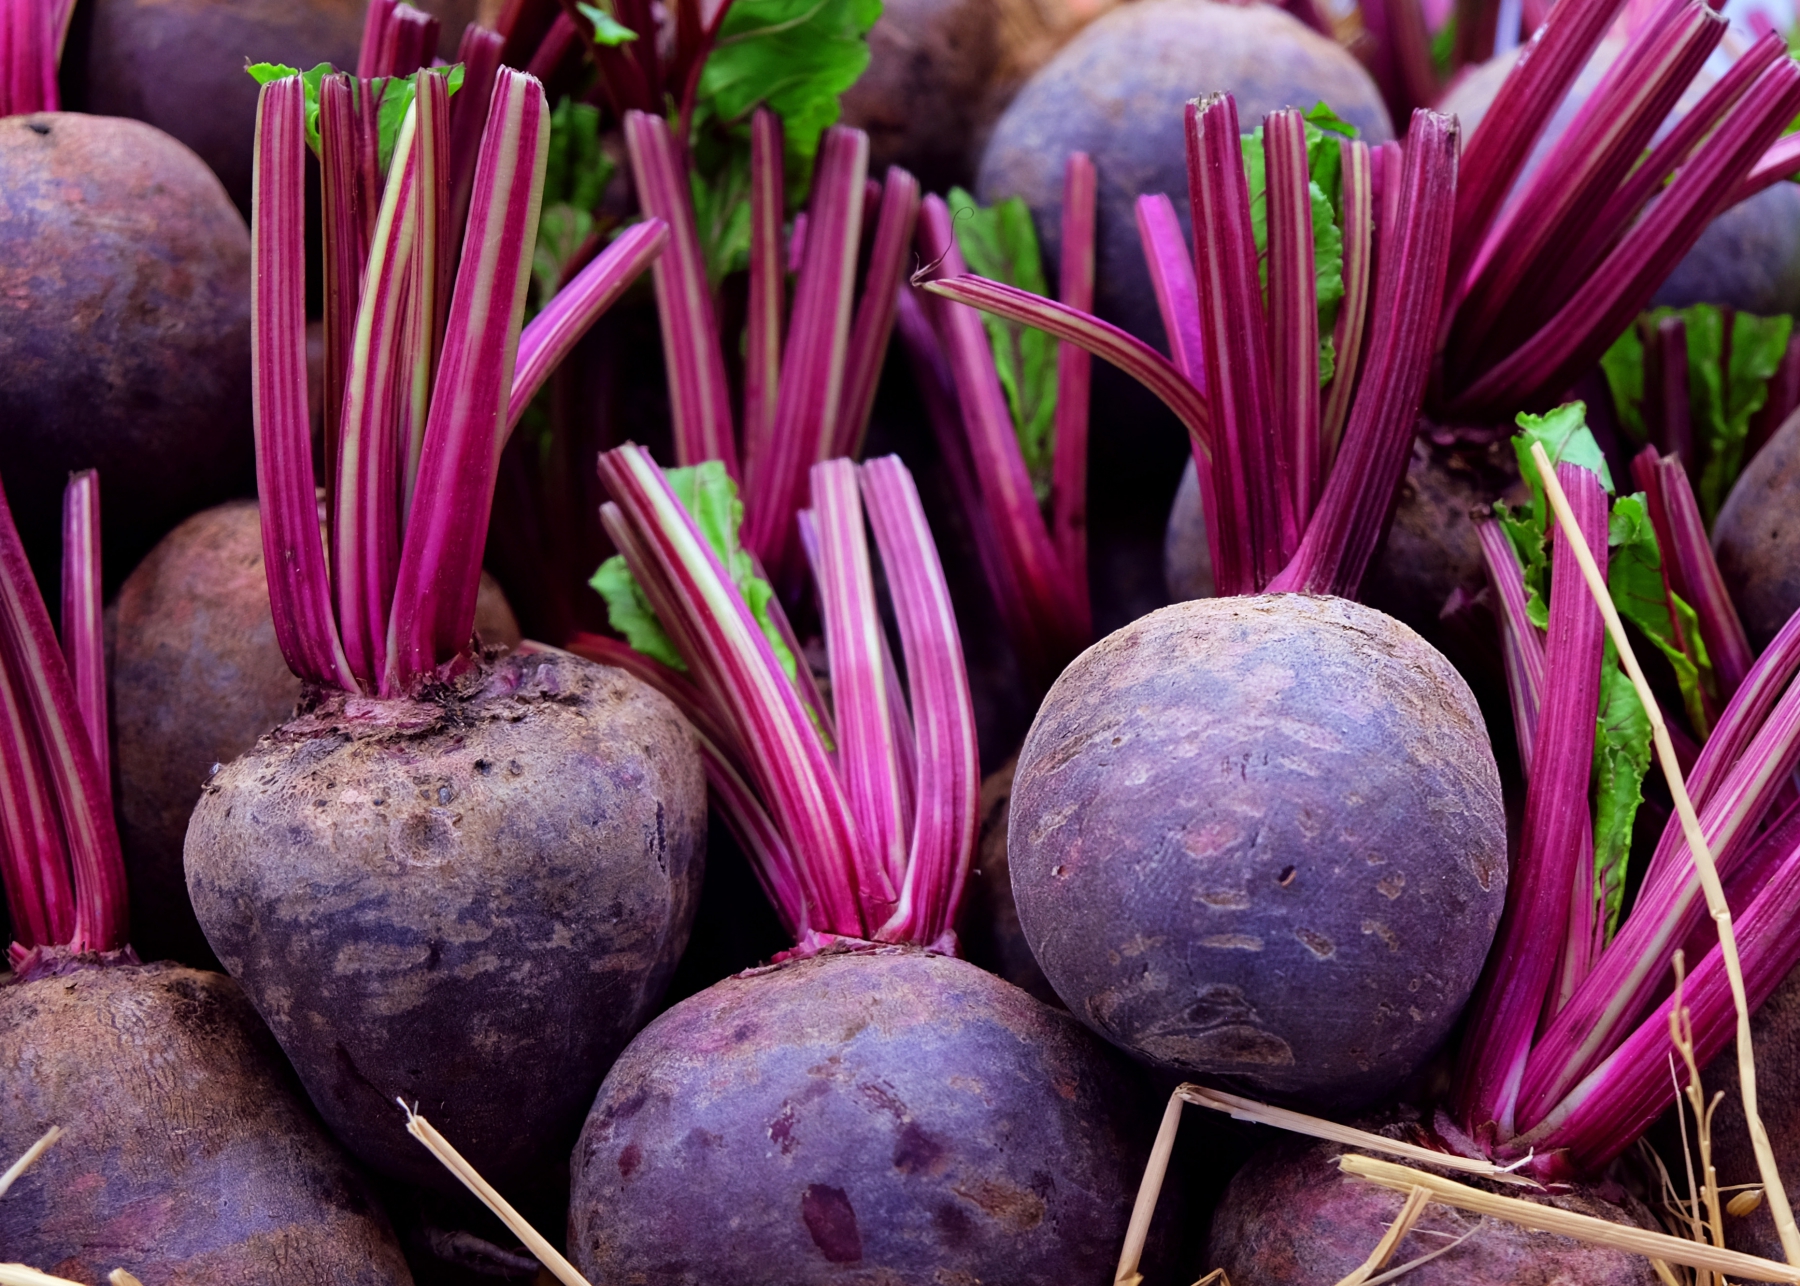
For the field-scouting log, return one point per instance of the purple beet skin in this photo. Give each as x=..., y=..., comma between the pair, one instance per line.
x=895, y=1117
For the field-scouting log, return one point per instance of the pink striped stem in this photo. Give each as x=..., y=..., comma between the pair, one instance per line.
x=883, y=280
x=548, y=338
x=1530, y=94
x=768, y=291
x=375, y=24
x=1074, y=379
x=1528, y=247
x=30, y=42
x=1400, y=57
x=440, y=561
x=407, y=40
x=1357, y=193
x=804, y=683
x=1293, y=339
x=1557, y=829
x=47, y=731
x=1688, y=553
x=1254, y=487
x=1781, y=161
x=83, y=628
x=812, y=366
x=949, y=780
x=1521, y=644
x=869, y=758
x=479, y=54
x=351, y=189
x=1346, y=527
x=699, y=397
x=999, y=467
x=1618, y=290
x=1669, y=907
x=299, y=591
x=733, y=662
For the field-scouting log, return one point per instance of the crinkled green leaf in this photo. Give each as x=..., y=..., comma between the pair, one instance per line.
x=1324, y=163
x=396, y=96
x=1565, y=437
x=709, y=495
x=1635, y=580
x=1000, y=243
x=1621, y=758
x=263, y=73
x=608, y=30
x=1623, y=364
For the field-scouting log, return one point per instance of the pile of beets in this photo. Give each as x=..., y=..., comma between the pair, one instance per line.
x=569, y=571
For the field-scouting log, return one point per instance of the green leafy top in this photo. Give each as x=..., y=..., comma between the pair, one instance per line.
x=796, y=57
x=999, y=243
x=608, y=30
x=395, y=96
x=575, y=179
x=1727, y=385
x=1324, y=162
x=709, y=495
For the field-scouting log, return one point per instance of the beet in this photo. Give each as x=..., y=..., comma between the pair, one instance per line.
x=940, y=73
x=990, y=932
x=1757, y=539
x=1748, y=257
x=187, y=1155
x=179, y=64
x=126, y=344
x=1290, y=1217
x=197, y=677
x=1262, y=838
x=894, y=1117
x=471, y=899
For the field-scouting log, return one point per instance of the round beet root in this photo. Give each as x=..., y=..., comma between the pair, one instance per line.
x=472, y=900
x=1291, y=1216
x=124, y=330
x=1756, y=536
x=1748, y=257
x=989, y=931
x=197, y=677
x=1116, y=92
x=1262, y=838
x=893, y=1117
x=187, y=1156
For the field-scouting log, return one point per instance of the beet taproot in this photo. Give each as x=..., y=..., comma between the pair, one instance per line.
x=471, y=899
x=1290, y=1216
x=1262, y=838
x=1748, y=257
x=188, y=1155
x=125, y=345
x=989, y=931
x=179, y=64
x=895, y=1117
x=196, y=678
x=1756, y=537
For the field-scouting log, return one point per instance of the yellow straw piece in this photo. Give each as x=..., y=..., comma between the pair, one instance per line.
x=1696, y=839
x=25, y=1162
x=20, y=1275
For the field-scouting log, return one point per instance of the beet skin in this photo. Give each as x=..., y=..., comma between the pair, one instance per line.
x=988, y=925
x=471, y=900
x=1756, y=536
x=124, y=330
x=188, y=1156
x=896, y=1118
x=1262, y=838
x=197, y=677
x=1292, y=1218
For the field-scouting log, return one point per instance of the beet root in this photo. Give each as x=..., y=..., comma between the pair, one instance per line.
x=196, y=678
x=188, y=1155
x=1756, y=536
x=1291, y=1216
x=472, y=900
x=894, y=1117
x=989, y=923
x=1262, y=838
x=124, y=330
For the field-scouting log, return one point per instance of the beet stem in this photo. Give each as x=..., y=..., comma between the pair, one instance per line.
x=895, y=227
x=1074, y=377
x=83, y=628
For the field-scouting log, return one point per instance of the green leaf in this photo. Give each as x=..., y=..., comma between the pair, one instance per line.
x=263, y=73
x=1324, y=163
x=395, y=95
x=608, y=30
x=1564, y=436
x=722, y=216
x=1000, y=243
x=1621, y=758
x=1443, y=48
x=709, y=495
x=1734, y=396
x=1635, y=580
x=1623, y=364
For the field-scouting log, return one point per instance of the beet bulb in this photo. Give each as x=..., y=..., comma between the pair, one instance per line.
x=1262, y=838
x=126, y=345
x=1757, y=540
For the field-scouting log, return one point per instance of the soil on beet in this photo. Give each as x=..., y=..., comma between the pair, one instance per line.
x=1262, y=838
x=471, y=900
x=188, y=1154
x=1291, y=1218
x=890, y=1118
